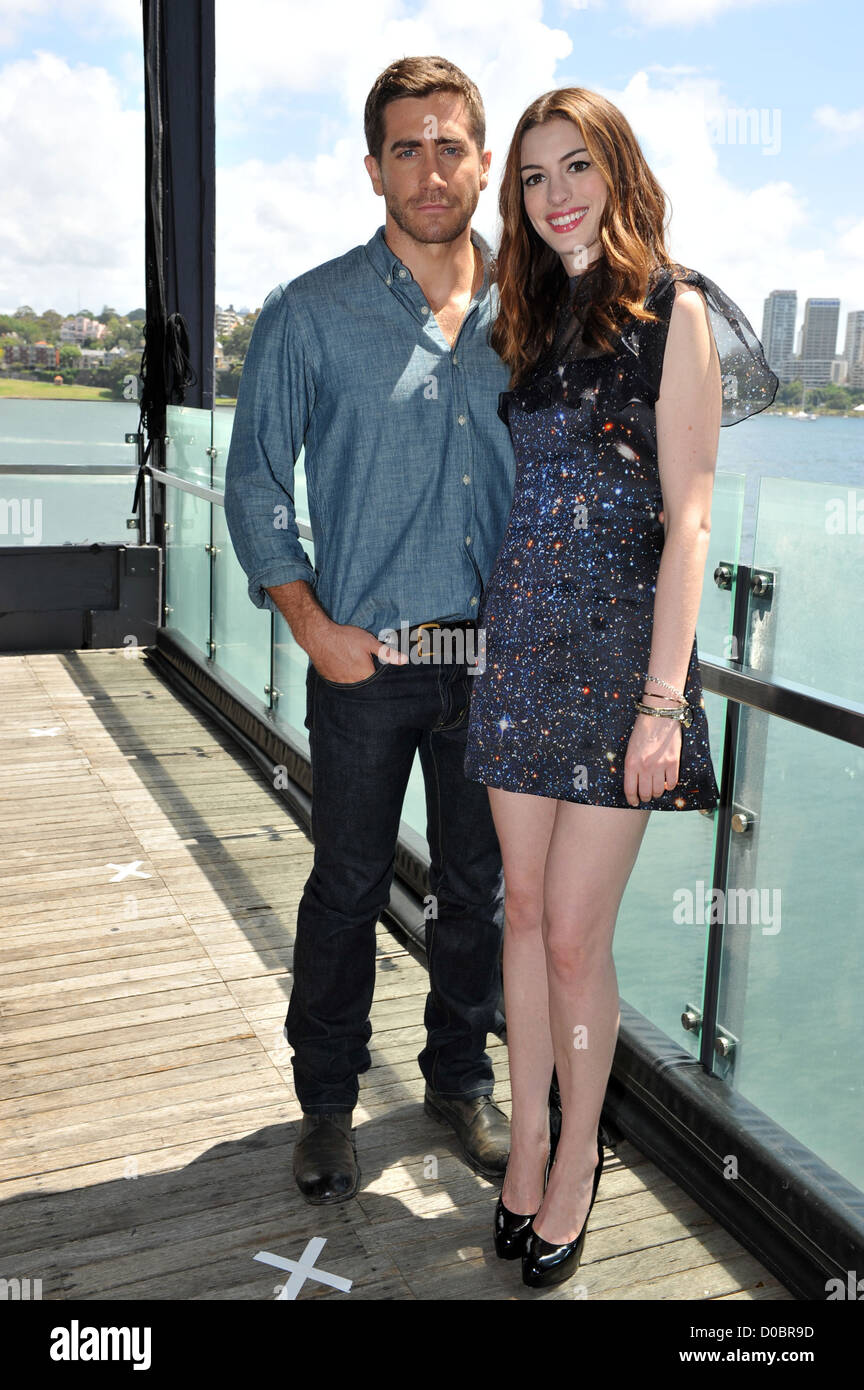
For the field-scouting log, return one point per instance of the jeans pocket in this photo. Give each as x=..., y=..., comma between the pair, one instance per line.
x=355, y=685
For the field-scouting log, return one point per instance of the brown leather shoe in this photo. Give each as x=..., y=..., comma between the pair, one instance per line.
x=481, y=1127
x=325, y=1159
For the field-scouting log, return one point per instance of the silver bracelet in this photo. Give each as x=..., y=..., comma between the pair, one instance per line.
x=679, y=693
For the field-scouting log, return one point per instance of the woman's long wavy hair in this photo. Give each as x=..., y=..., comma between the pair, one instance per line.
x=532, y=282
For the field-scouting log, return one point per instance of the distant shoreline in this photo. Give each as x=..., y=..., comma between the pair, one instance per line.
x=46, y=391
x=16, y=390
x=818, y=411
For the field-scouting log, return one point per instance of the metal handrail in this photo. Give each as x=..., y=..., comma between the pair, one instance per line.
x=102, y=469
x=839, y=719
x=210, y=494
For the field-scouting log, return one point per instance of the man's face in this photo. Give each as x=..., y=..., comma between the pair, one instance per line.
x=431, y=172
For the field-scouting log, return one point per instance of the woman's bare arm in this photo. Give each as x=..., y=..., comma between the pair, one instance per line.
x=688, y=413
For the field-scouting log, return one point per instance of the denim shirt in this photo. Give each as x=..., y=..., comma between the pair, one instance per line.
x=409, y=468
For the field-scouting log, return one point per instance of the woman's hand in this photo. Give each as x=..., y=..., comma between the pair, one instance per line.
x=652, y=758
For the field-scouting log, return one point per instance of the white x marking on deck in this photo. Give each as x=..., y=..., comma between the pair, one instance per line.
x=303, y=1269
x=126, y=870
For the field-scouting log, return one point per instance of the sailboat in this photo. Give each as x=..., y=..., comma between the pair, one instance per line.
x=802, y=414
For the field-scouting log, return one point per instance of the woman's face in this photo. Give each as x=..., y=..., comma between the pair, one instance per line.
x=564, y=192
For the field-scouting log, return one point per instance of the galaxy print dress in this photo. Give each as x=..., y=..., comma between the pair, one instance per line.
x=568, y=610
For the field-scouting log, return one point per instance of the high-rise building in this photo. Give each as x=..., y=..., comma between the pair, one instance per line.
x=818, y=341
x=853, y=351
x=778, y=332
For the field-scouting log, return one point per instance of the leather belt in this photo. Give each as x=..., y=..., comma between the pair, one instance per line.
x=441, y=625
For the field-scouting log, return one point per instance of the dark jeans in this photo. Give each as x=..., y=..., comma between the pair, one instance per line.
x=363, y=738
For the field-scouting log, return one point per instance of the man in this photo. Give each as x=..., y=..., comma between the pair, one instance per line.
x=378, y=363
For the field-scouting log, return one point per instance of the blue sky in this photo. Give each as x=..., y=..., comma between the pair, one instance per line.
x=786, y=210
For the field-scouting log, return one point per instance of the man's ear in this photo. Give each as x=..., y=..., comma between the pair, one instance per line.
x=374, y=172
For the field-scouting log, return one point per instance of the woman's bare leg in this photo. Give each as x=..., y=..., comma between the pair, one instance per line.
x=524, y=825
x=591, y=853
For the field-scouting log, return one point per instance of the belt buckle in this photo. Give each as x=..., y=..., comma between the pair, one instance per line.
x=421, y=654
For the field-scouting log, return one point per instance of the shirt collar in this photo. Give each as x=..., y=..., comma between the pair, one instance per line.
x=388, y=265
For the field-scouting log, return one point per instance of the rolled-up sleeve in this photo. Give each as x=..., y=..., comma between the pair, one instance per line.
x=274, y=404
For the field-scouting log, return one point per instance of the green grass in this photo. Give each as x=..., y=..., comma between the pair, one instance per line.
x=48, y=391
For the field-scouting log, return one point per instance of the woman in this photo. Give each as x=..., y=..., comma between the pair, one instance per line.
x=589, y=712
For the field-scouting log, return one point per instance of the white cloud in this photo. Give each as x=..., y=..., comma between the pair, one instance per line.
x=848, y=125
x=850, y=241
x=92, y=18
x=72, y=174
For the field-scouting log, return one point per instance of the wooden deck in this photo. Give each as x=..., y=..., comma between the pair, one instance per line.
x=148, y=890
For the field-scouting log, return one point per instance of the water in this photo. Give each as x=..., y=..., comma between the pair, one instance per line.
x=58, y=433
x=62, y=432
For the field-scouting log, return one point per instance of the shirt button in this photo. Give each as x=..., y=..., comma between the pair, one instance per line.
x=472, y=602
x=461, y=419
x=402, y=274
x=388, y=281
x=425, y=309
x=467, y=540
x=455, y=359
x=466, y=477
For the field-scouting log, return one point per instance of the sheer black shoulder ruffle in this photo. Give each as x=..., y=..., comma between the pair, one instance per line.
x=748, y=383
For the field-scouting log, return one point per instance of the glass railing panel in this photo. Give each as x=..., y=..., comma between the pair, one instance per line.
x=188, y=527
x=67, y=476
x=222, y=422
x=792, y=976
x=414, y=807
x=66, y=508
x=290, y=664
x=714, y=626
x=810, y=629
x=187, y=567
x=241, y=632
x=661, y=933
x=189, y=432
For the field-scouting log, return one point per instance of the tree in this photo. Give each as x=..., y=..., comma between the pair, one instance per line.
x=26, y=329
x=114, y=375
x=236, y=345
x=228, y=382
x=70, y=356
x=49, y=324
x=107, y=314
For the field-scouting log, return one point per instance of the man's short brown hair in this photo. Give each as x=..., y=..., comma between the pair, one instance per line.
x=419, y=77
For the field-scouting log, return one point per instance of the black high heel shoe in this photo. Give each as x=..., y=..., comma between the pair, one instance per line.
x=544, y=1263
x=511, y=1229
